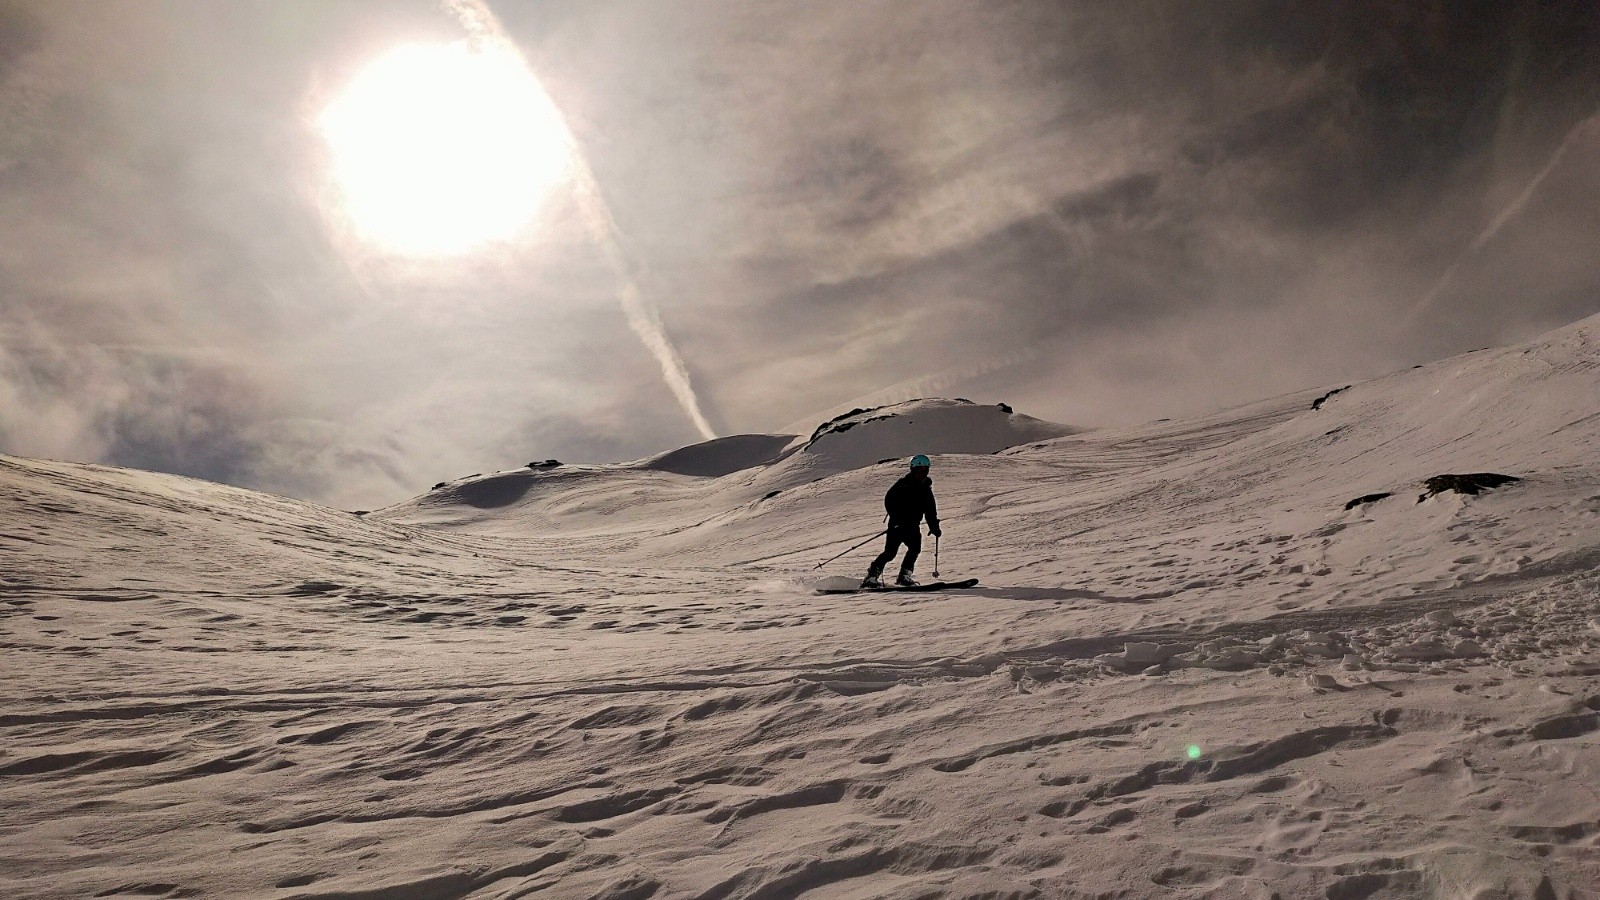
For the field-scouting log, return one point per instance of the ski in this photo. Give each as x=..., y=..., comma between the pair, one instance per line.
x=892, y=588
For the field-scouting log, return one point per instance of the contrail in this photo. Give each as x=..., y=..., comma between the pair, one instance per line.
x=642, y=315
x=640, y=312
x=1511, y=211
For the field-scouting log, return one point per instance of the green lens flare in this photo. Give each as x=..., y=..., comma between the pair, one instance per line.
x=1193, y=751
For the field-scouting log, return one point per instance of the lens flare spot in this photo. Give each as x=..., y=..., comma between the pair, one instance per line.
x=1192, y=751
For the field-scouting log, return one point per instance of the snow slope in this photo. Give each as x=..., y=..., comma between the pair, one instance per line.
x=1190, y=670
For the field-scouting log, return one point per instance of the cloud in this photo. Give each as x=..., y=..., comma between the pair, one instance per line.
x=1093, y=215
x=1244, y=161
x=175, y=300
x=20, y=35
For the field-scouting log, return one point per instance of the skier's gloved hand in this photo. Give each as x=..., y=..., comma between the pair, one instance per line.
x=933, y=529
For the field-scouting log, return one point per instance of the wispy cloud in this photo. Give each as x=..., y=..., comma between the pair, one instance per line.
x=1091, y=214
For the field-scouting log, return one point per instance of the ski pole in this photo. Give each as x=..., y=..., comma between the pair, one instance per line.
x=862, y=544
x=936, y=556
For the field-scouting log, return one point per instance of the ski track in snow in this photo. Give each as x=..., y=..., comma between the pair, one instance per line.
x=615, y=681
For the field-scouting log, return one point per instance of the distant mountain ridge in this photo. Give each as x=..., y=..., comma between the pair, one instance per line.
x=736, y=469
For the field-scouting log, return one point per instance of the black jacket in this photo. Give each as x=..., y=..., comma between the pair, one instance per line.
x=909, y=500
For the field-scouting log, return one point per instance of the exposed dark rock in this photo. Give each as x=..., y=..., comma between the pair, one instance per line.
x=1474, y=484
x=308, y=588
x=547, y=464
x=1568, y=726
x=888, y=459
x=841, y=427
x=1317, y=403
x=771, y=494
x=1369, y=498
x=440, y=485
x=837, y=424
x=824, y=429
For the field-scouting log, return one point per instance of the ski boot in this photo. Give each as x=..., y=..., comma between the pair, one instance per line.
x=871, y=581
x=905, y=580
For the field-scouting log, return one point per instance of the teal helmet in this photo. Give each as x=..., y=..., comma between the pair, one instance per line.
x=920, y=462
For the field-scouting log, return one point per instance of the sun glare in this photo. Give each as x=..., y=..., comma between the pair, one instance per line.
x=437, y=148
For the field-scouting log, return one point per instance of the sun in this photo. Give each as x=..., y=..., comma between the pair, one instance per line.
x=439, y=148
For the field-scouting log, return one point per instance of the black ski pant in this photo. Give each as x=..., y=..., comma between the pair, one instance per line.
x=911, y=536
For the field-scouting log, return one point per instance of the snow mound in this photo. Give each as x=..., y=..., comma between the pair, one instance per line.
x=865, y=437
x=546, y=498
x=542, y=502
x=721, y=456
x=568, y=499
x=725, y=473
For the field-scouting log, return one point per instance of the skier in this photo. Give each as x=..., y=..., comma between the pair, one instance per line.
x=906, y=502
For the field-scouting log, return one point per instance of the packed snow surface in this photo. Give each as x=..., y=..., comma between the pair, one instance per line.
x=1250, y=654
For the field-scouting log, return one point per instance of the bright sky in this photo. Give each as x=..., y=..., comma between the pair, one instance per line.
x=332, y=250
x=439, y=148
